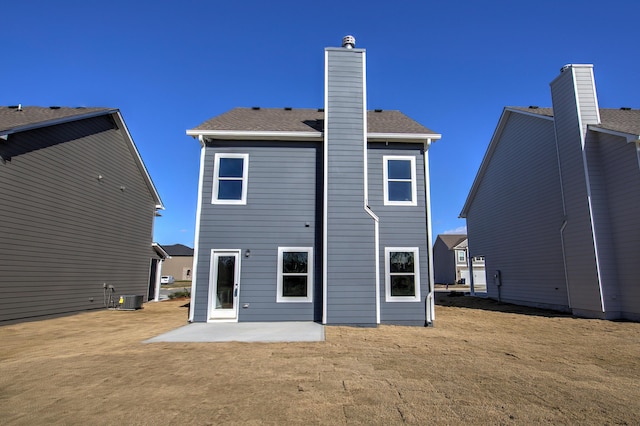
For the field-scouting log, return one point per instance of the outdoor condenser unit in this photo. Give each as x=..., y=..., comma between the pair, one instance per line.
x=131, y=302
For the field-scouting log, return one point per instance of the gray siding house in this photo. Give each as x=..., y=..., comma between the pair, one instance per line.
x=555, y=203
x=77, y=211
x=180, y=262
x=446, y=258
x=315, y=214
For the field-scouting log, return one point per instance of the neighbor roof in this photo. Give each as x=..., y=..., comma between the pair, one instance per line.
x=305, y=120
x=623, y=121
x=178, y=250
x=452, y=240
x=14, y=119
x=618, y=120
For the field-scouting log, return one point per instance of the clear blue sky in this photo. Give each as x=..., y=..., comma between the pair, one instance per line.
x=450, y=65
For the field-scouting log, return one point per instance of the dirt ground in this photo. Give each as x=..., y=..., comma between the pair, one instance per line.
x=482, y=363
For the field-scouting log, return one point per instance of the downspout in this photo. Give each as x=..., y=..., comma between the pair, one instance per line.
x=157, y=283
x=325, y=191
x=564, y=219
x=196, y=243
x=472, y=288
x=429, y=299
x=367, y=209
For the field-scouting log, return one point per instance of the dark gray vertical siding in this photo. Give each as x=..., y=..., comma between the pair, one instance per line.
x=584, y=287
x=400, y=226
x=64, y=232
x=622, y=187
x=282, y=198
x=515, y=218
x=350, y=230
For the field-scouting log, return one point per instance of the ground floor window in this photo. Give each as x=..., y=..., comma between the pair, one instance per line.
x=295, y=274
x=402, y=274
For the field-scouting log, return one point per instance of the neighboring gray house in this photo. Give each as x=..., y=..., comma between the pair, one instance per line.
x=451, y=262
x=180, y=263
x=76, y=214
x=554, y=207
x=445, y=258
x=315, y=214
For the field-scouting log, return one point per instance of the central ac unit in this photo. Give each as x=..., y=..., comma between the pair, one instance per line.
x=131, y=302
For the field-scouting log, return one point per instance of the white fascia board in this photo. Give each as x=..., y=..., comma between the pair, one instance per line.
x=138, y=160
x=530, y=114
x=403, y=137
x=314, y=136
x=629, y=137
x=256, y=135
x=161, y=252
x=485, y=160
x=506, y=113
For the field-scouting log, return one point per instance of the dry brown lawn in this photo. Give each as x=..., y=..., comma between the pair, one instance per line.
x=482, y=363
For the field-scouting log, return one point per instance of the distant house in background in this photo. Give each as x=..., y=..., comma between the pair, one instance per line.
x=445, y=258
x=554, y=207
x=180, y=263
x=451, y=262
x=76, y=214
x=315, y=214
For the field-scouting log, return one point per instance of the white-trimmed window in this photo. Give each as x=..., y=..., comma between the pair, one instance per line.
x=230, y=173
x=462, y=256
x=402, y=274
x=295, y=274
x=399, y=172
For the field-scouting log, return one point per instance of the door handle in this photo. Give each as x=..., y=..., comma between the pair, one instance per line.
x=235, y=291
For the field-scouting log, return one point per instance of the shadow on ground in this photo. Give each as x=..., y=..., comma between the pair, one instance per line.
x=460, y=300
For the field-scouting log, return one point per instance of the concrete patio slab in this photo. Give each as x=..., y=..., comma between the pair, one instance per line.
x=244, y=332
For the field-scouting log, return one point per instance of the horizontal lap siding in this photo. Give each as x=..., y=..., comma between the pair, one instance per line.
x=621, y=172
x=516, y=215
x=283, y=196
x=444, y=266
x=400, y=226
x=63, y=231
x=580, y=254
x=350, y=231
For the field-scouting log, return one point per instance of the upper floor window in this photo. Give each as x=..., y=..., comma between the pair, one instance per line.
x=295, y=274
x=230, y=172
x=402, y=277
x=399, y=180
x=462, y=256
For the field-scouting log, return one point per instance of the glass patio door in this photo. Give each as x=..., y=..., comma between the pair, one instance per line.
x=225, y=285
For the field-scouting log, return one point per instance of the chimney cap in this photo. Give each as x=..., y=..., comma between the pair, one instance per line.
x=349, y=41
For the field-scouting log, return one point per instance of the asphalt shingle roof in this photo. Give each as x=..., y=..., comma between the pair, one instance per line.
x=178, y=250
x=305, y=120
x=452, y=240
x=618, y=120
x=11, y=117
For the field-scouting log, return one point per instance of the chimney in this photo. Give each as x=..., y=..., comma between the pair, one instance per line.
x=575, y=106
x=349, y=286
x=575, y=103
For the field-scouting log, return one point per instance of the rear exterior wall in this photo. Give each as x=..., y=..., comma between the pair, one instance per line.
x=400, y=226
x=283, y=210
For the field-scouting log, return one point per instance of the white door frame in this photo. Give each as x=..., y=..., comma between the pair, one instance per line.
x=223, y=315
